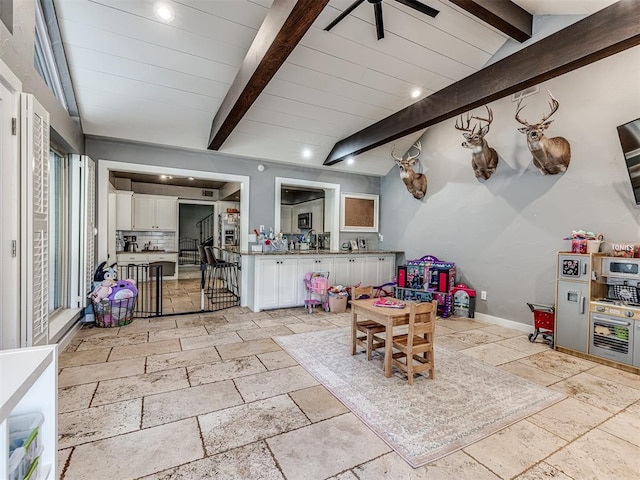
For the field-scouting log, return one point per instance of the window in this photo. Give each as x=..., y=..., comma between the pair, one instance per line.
x=59, y=192
x=44, y=59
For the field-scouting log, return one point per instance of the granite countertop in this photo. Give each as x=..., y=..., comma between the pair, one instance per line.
x=323, y=252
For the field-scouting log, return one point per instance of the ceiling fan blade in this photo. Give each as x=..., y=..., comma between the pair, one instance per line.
x=346, y=12
x=421, y=7
x=377, y=10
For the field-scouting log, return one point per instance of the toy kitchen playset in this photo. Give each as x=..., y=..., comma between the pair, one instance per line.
x=598, y=308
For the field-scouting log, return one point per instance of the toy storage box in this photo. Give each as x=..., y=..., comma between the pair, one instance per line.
x=337, y=303
x=25, y=445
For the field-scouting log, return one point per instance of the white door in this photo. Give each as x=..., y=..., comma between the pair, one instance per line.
x=287, y=293
x=266, y=286
x=9, y=221
x=34, y=156
x=341, y=271
x=386, y=269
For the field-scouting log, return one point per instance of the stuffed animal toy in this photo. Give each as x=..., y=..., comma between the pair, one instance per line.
x=103, y=273
x=123, y=289
x=102, y=291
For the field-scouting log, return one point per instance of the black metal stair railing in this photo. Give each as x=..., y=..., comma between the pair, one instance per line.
x=206, y=227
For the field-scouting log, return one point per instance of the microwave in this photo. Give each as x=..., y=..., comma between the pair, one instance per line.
x=621, y=267
x=304, y=220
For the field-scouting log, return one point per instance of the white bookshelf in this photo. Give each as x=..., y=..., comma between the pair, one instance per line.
x=29, y=383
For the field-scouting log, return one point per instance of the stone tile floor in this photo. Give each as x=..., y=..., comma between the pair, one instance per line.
x=213, y=396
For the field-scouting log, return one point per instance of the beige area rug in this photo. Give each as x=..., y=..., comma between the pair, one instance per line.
x=467, y=401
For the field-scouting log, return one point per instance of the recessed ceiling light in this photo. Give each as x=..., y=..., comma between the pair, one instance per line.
x=350, y=161
x=191, y=178
x=416, y=93
x=164, y=11
x=163, y=176
x=306, y=153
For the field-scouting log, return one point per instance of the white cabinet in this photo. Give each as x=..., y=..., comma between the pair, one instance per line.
x=364, y=269
x=155, y=212
x=132, y=258
x=275, y=282
x=380, y=269
x=350, y=270
x=147, y=258
x=30, y=384
x=124, y=205
x=312, y=263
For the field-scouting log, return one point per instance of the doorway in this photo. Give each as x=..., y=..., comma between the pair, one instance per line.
x=190, y=299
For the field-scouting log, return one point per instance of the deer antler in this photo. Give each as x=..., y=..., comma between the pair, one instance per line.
x=554, y=104
x=488, y=120
x=518, y=110
x=417, y=146
x=463, y=128
x=395, y=157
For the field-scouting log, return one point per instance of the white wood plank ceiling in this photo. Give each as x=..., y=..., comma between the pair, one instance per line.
x=137, y=78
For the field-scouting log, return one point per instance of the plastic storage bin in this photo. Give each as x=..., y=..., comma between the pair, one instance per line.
x=17, y=464
x=24, y=431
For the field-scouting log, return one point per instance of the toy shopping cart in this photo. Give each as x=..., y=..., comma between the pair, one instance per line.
x=543, y=320
x=317, y=285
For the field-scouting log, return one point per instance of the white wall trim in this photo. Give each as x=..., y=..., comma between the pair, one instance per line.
x=9, y=79
x=331, y=204
x=104, y=166
x=503, y=322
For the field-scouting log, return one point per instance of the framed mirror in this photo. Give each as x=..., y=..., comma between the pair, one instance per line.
x=358, y=212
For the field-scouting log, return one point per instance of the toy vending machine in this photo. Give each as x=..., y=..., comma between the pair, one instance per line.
x=464, y=301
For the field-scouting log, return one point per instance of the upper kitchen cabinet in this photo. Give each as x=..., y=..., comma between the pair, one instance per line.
x=124, y=205
x=155, y=212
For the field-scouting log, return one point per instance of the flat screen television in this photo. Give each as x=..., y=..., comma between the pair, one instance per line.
x=629, y=134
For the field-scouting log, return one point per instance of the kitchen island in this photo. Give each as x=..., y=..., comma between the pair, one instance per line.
x=276, y=279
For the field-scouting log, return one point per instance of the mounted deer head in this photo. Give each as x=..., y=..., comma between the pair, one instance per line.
x=416, y=183
x=550, y=155
x=484, y=159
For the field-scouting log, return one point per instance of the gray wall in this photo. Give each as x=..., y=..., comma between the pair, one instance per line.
x=189, y=216
x=504, y=233
x=17, y=52
x=262, y=189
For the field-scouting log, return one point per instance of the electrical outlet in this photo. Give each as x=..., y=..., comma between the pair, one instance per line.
x=261, y=228
x=483, y=295
x=380, y=237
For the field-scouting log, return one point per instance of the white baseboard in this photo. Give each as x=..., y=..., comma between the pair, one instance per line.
x=503, y=322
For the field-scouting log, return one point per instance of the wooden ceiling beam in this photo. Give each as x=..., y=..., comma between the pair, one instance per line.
x=607, y=32
x=284, y=26
x=504, y=15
